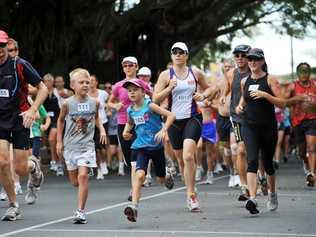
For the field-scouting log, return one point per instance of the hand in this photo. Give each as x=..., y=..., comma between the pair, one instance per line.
x=160, y=136
x=172, y=83
x=257, y=94
x=28, y=117
x=118, y=106
x=301, y=98
x=239, y=109
x=198, y=96
x=127, y=136
x=59, y=149
x=43, y=128
x=103, y=138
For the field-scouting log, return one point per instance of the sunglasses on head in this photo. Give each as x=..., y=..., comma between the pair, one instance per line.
x=239, y=55
x=128, y=65
x=178, y=51
x=2, y=45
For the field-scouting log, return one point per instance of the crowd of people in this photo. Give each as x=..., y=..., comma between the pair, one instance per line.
x=247, y=122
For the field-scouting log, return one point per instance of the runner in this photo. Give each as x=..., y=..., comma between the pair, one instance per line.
x=102, y=97
x=60, y=91
x=80, y=114
x=303, y=119
x=236, y=139
x=145, y=116
x=179, y=84
x=16, y=117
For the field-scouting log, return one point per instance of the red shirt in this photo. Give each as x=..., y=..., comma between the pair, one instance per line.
x=299, y=114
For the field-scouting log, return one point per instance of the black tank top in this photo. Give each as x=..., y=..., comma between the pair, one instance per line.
x=52, y=107
x=258, y=111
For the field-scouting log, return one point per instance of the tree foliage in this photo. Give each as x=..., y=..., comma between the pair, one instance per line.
x=57, y=35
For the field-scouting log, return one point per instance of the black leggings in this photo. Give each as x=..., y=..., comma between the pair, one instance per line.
x=261, y=138
x=125, y=145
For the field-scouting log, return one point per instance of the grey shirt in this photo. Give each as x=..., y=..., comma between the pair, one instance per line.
x=80, y=124
x=236, y=94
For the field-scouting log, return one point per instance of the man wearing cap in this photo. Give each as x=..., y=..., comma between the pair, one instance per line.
x=236, y=141
x=16, y=117
x=179, y=84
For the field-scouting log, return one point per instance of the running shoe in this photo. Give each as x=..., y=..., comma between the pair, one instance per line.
x=169, y=179
x=104, y=168
x=193, y=203
x=264, y=185
x=131, y=213
x=218, y=168
x=251, y=206
x=53, y=166
x=80, y=217
x=31, y=193
x=3, y=195
x=310, y=179
x=237, y=181
x=231, y=181
x=198, y=173
x=60, y=170
x=148, y=181
x=18, y=189
x=209, y=178
x=121, y=169
x=244, y=194
x=99, y=174
x=276, y=164
x=12, y=214
x=272, y=203
x=130, y=197
x=36, y=177
x=285, y=159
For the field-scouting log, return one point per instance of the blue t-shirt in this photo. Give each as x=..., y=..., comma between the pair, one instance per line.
x=147, y=124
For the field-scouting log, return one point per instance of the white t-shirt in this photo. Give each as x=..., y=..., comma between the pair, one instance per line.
x=102, y=97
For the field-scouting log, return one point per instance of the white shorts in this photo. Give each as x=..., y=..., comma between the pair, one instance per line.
x=74, y=159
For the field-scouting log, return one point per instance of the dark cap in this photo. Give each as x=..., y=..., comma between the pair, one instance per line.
x=242, y=48
x=255, y=53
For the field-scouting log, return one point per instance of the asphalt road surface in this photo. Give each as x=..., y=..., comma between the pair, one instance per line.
x=163, y=212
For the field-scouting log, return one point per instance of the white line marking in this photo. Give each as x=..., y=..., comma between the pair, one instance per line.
x=99, y=210
x=174, y=232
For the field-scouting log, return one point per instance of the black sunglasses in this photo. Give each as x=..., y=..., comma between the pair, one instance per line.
x=3, y=45
x=254, y=59
x=240, y=55
x=177, y=51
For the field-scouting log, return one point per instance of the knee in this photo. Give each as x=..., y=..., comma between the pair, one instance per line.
x=234, y=149
x=252, y=166
x=83, y=177
x=310, y=148
x=140, y=175
x=241, y=151
x=188, y=156
x=4, y=165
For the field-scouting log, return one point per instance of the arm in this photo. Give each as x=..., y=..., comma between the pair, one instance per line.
x=99, y=125
x=60, y=128
x=113, y=103
x=169, y=121
x=163, y=87
x=127, y=135
x=45, y=126
x=242, y=103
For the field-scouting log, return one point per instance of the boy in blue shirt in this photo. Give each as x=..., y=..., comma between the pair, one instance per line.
x=145, y=118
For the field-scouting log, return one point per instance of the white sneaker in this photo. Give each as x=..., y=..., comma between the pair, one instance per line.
x=18, y=189
x=218, y=168
x=80, y=217
x=272, y=203
x=104, y=168
x=231, y=182
x=148, y=181
x=121, y=169
x=237, y=181
x=198, y=173
x=209, y=178
x=3, y=195
x=60, y=170
x=53, y=166
x=99, y=174
x=193, y=203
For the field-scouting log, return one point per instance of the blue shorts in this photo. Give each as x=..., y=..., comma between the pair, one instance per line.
x=209, y=132
x=142, y=157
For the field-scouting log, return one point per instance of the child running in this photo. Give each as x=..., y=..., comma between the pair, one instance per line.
x=80, y=113
x=146, y=117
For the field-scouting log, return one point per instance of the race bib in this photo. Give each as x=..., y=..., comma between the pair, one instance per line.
x=4, y=93
x=83, y=107
x=139, y=120
x=184, y=98
x=51, y=114
x=253, y=87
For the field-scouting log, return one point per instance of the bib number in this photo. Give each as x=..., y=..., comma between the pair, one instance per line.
x=4, y=93
x=83, y=107
x=253, y=87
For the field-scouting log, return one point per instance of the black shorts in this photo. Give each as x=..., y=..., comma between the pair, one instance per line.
x=223, y=127
x=113, y=140
x=236, y=129
x=306, y=127
x=51, y=126
x=142, y=157
x=19, y=138
x=287, y=131
x=190, y=128
x=96, y=137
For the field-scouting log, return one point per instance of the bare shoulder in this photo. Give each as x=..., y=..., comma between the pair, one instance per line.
x=198, y=73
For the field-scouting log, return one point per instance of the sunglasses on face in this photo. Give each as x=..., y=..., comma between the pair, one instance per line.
x=3, y=45
x=178, y=51
x=12, y=50
x=108, y=87
x=304, y=71
x=254, y=59
x=240, y=55
x=128, y=65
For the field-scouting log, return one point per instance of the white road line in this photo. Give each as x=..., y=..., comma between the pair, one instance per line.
x=173, y=232
x=98, y=210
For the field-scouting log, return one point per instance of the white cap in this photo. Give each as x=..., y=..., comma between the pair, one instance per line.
x=180, y=45
x=130, y=59
x=144, y=71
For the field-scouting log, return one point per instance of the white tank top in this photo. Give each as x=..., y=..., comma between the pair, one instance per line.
x=181, y=101
x=102, y=97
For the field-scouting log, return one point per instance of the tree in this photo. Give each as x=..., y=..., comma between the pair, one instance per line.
x=60, y=35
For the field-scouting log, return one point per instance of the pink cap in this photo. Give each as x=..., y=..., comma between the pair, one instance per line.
x=139, y=83
x=3, y=37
